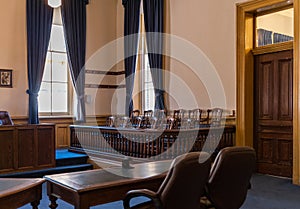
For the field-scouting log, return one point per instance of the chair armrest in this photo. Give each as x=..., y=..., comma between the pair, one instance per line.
x=142, y=192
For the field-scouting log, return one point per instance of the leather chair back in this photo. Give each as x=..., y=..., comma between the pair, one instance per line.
x=185, y=182
x=230, y=176
x=5, y=118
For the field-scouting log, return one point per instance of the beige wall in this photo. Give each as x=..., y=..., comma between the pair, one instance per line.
x=281, y=22
x=13, y=55
x=101, y=28
x=209, y=25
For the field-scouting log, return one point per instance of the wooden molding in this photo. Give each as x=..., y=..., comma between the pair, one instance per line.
x=102, y=72
x=296, y=96
x=273, y=48
x=101, y=86
x=244, y=119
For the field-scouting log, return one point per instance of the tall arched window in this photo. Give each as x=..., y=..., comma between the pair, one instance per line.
x=54, y=92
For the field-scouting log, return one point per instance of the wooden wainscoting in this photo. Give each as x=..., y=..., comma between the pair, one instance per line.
x=62, y=131
x=26, y=147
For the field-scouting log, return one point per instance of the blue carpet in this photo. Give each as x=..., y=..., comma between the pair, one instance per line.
x=267, y=192
x=64, y=153
x=64, y=205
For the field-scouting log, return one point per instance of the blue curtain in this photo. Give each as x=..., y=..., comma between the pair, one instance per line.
x=74, y=21
x=154, y=19
x=39, y=21
x=131, y=26
x=264, y=37
x=277, y=38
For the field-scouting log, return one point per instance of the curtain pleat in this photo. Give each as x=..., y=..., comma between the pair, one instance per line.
x=131, y=29
x=277, y=38
x=39, y=21
x=74, y=21
x=154, y=19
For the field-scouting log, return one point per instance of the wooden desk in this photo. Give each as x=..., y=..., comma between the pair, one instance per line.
x=15, y=193
x=95, y=187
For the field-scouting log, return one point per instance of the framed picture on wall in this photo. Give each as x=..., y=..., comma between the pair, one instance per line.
x=5, y=78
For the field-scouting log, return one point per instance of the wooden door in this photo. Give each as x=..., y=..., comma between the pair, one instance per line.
x=273, y=113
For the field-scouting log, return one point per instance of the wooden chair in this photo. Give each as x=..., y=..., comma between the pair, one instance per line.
x=216, y=116
x=148, y=113
x=182, y=187
x=159, y=120
x=123, y=122
x=135, y=113
x=196, y=115
x=229, y=178
x=135, y=119
x=110, y=121
x=187, y=119
x=175, y=121
x=205, y=115
x=146, y=118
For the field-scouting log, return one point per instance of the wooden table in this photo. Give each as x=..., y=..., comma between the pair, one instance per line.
x=89, y=188
x=15, y=193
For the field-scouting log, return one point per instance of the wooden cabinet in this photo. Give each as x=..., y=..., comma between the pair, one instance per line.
x=27, y=147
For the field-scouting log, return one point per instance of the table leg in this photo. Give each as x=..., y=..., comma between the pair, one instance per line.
x=35, y=204
x=53, y=203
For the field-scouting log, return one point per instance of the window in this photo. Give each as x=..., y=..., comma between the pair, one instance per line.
x=147, y=84
x=275, y=27
x=54, y=91
x=146, y=89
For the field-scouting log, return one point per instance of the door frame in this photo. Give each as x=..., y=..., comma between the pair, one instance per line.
x=245, y=81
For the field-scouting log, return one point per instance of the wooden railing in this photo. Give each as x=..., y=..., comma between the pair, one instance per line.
x=146, y=143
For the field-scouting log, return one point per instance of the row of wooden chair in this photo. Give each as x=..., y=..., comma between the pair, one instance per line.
x=193, y=183
x=173, y=119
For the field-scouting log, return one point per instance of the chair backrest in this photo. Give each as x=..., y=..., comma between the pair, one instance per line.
x=148, y=113
x=195, y=114
x=216, y=116
x=110, y=121
x=185, y=182
x=134, y=113
x=230, y=177
x=5, y=118
x=204, y=118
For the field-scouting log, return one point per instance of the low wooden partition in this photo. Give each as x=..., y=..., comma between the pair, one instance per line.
x=26, y=147
x=105, y=142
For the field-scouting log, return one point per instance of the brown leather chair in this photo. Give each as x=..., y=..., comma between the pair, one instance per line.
x=5, y=118
x=182, y=187
x=229, y=178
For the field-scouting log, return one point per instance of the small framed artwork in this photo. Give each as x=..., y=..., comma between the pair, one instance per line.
x=5, y=78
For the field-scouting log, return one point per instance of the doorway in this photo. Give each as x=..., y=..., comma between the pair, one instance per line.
x=273, y=112
x=245, y=76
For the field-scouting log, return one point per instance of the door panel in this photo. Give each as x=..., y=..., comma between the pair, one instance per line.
x=266, y=90
x=274, y=113
x=285, y=107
